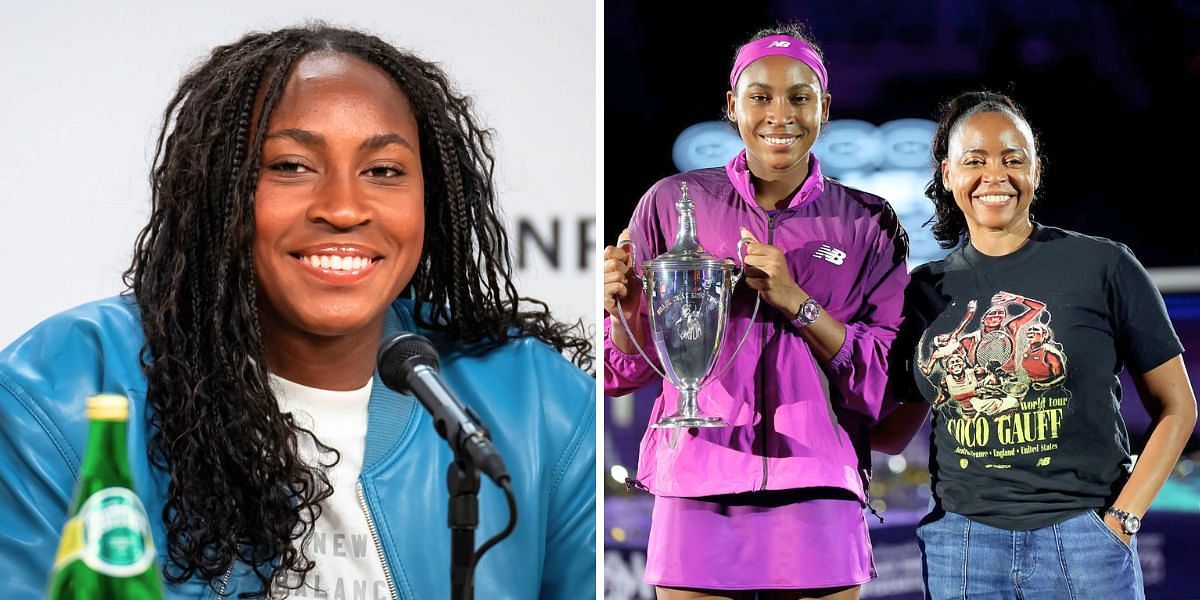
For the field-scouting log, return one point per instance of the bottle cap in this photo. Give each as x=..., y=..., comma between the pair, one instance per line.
x=108, y=407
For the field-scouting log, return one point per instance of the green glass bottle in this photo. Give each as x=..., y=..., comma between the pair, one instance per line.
x=106, y=551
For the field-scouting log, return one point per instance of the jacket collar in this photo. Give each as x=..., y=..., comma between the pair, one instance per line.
x=743, y=181
x=391, y=416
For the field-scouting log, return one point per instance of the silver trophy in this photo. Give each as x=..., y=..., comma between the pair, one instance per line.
x=688, y=292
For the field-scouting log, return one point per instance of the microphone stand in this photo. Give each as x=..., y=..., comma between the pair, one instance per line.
x=462, y=479
x=408, y=363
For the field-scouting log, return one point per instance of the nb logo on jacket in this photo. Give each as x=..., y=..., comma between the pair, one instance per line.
x=830, y=254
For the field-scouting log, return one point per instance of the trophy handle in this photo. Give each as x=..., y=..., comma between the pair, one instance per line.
x=741, y=268
x=631, y=250
x=621, y=314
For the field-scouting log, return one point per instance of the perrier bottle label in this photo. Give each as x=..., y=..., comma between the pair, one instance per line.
x=110, y=534
x=106, y=550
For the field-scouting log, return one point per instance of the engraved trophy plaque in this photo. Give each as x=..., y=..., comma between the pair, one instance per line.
x=688, y=293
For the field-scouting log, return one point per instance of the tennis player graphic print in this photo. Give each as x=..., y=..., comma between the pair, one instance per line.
x=999, y=381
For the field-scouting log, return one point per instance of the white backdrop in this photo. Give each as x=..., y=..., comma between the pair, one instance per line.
x=83, y=86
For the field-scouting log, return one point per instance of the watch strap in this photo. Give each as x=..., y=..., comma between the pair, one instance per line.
x=1124, y=518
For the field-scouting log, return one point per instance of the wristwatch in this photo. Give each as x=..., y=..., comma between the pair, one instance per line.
x=807, y=314
x=1129, y=523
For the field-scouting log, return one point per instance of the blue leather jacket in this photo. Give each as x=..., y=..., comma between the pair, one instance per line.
x=539, y=408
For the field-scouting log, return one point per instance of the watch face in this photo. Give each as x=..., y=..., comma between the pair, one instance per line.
x=1132, y=525
x=810, y=311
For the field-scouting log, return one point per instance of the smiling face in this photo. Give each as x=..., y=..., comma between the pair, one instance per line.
x=992, y=169
x=339, y=206
x=779, y=108
x=955, y=364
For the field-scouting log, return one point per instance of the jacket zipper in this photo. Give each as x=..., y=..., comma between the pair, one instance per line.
x=387, y=571
x=762, y=380
x=225, y=581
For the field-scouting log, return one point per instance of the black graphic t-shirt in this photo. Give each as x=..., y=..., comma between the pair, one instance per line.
x=1019, y=355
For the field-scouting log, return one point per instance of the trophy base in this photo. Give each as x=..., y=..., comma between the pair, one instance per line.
x=688, y=421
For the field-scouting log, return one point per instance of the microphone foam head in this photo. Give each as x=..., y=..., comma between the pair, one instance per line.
x=399, y=355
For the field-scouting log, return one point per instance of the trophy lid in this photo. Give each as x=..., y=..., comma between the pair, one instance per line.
x=687, y=254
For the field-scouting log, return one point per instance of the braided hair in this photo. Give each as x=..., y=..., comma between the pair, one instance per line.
x=949, y=224
x=238, y=490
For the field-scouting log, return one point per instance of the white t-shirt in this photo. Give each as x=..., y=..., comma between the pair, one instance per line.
x=347, y=560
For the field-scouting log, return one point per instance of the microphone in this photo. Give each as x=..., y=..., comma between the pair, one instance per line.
x=408, y=363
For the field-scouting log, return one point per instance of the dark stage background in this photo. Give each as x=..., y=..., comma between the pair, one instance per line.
x=1110, y=89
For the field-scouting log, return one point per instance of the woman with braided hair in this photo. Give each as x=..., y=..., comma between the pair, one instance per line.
x=315, y=192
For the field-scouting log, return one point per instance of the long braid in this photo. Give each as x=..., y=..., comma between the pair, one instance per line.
x=224, y=206
x=461, y=268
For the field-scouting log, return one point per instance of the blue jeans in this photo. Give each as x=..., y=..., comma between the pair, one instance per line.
x=1080, y=558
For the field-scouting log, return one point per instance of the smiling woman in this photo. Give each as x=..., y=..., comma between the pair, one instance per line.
x=1027, y=432
x=315, y=192
x=771, y=506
